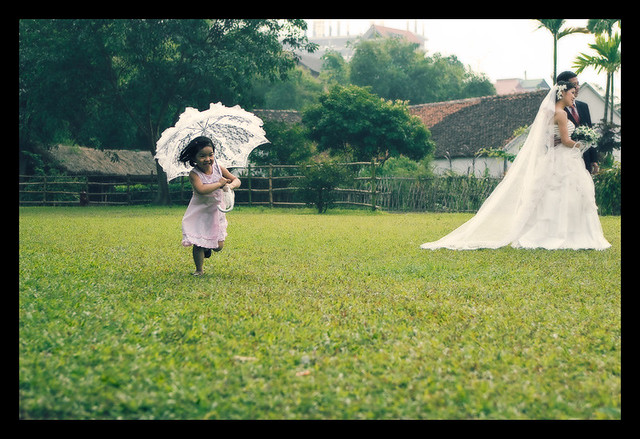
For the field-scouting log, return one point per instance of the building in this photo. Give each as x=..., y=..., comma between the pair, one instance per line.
x=80, y=160
x=596, y=103
x=344, y=43
x=377, y=31
x=461, y=128
x=517, y=85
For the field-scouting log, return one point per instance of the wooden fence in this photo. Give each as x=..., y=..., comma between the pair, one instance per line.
x=276, y=185
x=270, y=185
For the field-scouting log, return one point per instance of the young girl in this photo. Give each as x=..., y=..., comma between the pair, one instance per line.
x=204, y=226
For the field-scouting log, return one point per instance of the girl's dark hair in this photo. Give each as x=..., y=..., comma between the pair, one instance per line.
x=189, y=152
x=569, y=86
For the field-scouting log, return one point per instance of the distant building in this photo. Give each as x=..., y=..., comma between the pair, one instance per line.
x=517, y=85
x=344, y=44
x=462, y=127
x=595, y=101
x=376, y=31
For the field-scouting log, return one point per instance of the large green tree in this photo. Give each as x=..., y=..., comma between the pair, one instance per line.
x=143, y=72
x=397, y=69
x=353, y=121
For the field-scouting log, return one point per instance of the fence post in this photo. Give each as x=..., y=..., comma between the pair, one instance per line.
x=270, y=185
x=373, y=184
x=128, y=190
x=249, y=182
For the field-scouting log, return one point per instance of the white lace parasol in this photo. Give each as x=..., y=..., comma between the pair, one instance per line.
x=234, y=131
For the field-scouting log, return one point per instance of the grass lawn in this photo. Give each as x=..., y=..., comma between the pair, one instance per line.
x=306, y=316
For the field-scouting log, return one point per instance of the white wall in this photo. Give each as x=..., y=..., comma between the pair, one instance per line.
x=465, y=166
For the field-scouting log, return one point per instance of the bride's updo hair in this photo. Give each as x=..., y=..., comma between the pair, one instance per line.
x=563, y=86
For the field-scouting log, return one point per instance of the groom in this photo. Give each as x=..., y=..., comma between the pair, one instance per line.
x=579, y=114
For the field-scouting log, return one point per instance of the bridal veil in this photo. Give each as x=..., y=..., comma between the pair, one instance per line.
x=505, y=212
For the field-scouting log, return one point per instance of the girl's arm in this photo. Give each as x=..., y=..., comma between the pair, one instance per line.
x=234, y=181
x=204, y=189
x=561, y=119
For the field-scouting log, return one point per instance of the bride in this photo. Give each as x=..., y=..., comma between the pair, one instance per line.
x=547, y=198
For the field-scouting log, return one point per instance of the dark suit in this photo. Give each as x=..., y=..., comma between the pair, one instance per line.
x=591, y=155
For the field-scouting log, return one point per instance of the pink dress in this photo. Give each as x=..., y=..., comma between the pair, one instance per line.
x=203, y=224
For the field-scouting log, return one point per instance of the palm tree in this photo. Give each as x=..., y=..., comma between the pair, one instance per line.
x=607, y=59
x=602, y=25
x=554, y=25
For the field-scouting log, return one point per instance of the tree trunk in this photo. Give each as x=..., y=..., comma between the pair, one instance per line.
x=163, y=197
x=606, y=98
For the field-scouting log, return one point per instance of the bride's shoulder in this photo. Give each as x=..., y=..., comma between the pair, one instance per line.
x=560, y=115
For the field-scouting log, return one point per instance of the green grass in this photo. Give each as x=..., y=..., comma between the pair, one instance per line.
x=306, y=316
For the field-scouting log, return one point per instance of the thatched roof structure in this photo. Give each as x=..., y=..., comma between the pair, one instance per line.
x=80, y=160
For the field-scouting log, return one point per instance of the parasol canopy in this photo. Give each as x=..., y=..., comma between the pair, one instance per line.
x=234, y=132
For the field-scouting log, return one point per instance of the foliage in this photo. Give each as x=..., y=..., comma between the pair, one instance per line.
x=608, y=59
x=288, y=145
x=609, y=137
x=402, y=166
x=319, y=182
x=335, y=70
x=608, y=186
x=496, y=152
x=298, y=90
x=395, y=69
x=352, y=120
x=453, y=193
x=303, y=316
x=143, y=70
x=554, y=25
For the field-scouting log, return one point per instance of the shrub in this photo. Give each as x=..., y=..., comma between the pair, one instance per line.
x=319, y=182
x=608, y=185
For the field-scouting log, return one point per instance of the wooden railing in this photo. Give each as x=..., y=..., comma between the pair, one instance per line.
x=268, y=185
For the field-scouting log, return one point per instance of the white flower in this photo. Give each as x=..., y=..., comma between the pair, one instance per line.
x=589, y=135
x=560, y=89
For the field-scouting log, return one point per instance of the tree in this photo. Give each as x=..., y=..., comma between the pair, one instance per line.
x=150, y=69
x=320, y=179
x=554, y=25
x=602, y=25
x=396, y=69
x=287, y=145
x=607, y=58
x=335, y=69
x=353, y=121
x=384, y=64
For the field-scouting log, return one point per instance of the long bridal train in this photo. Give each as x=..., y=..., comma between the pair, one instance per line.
x=546, y=200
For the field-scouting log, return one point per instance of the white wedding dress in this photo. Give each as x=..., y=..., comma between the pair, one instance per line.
x=546, y=200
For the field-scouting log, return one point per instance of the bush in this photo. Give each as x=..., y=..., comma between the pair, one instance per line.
x=608, y=185
x=319, y=182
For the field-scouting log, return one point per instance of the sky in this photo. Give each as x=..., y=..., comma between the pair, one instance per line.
x=499, y=48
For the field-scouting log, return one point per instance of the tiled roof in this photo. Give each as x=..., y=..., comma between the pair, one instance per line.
x=433, y=113
x=461, y=128
x=390, y=32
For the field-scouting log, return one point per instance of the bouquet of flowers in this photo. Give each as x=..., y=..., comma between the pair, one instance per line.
x=586, y=136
